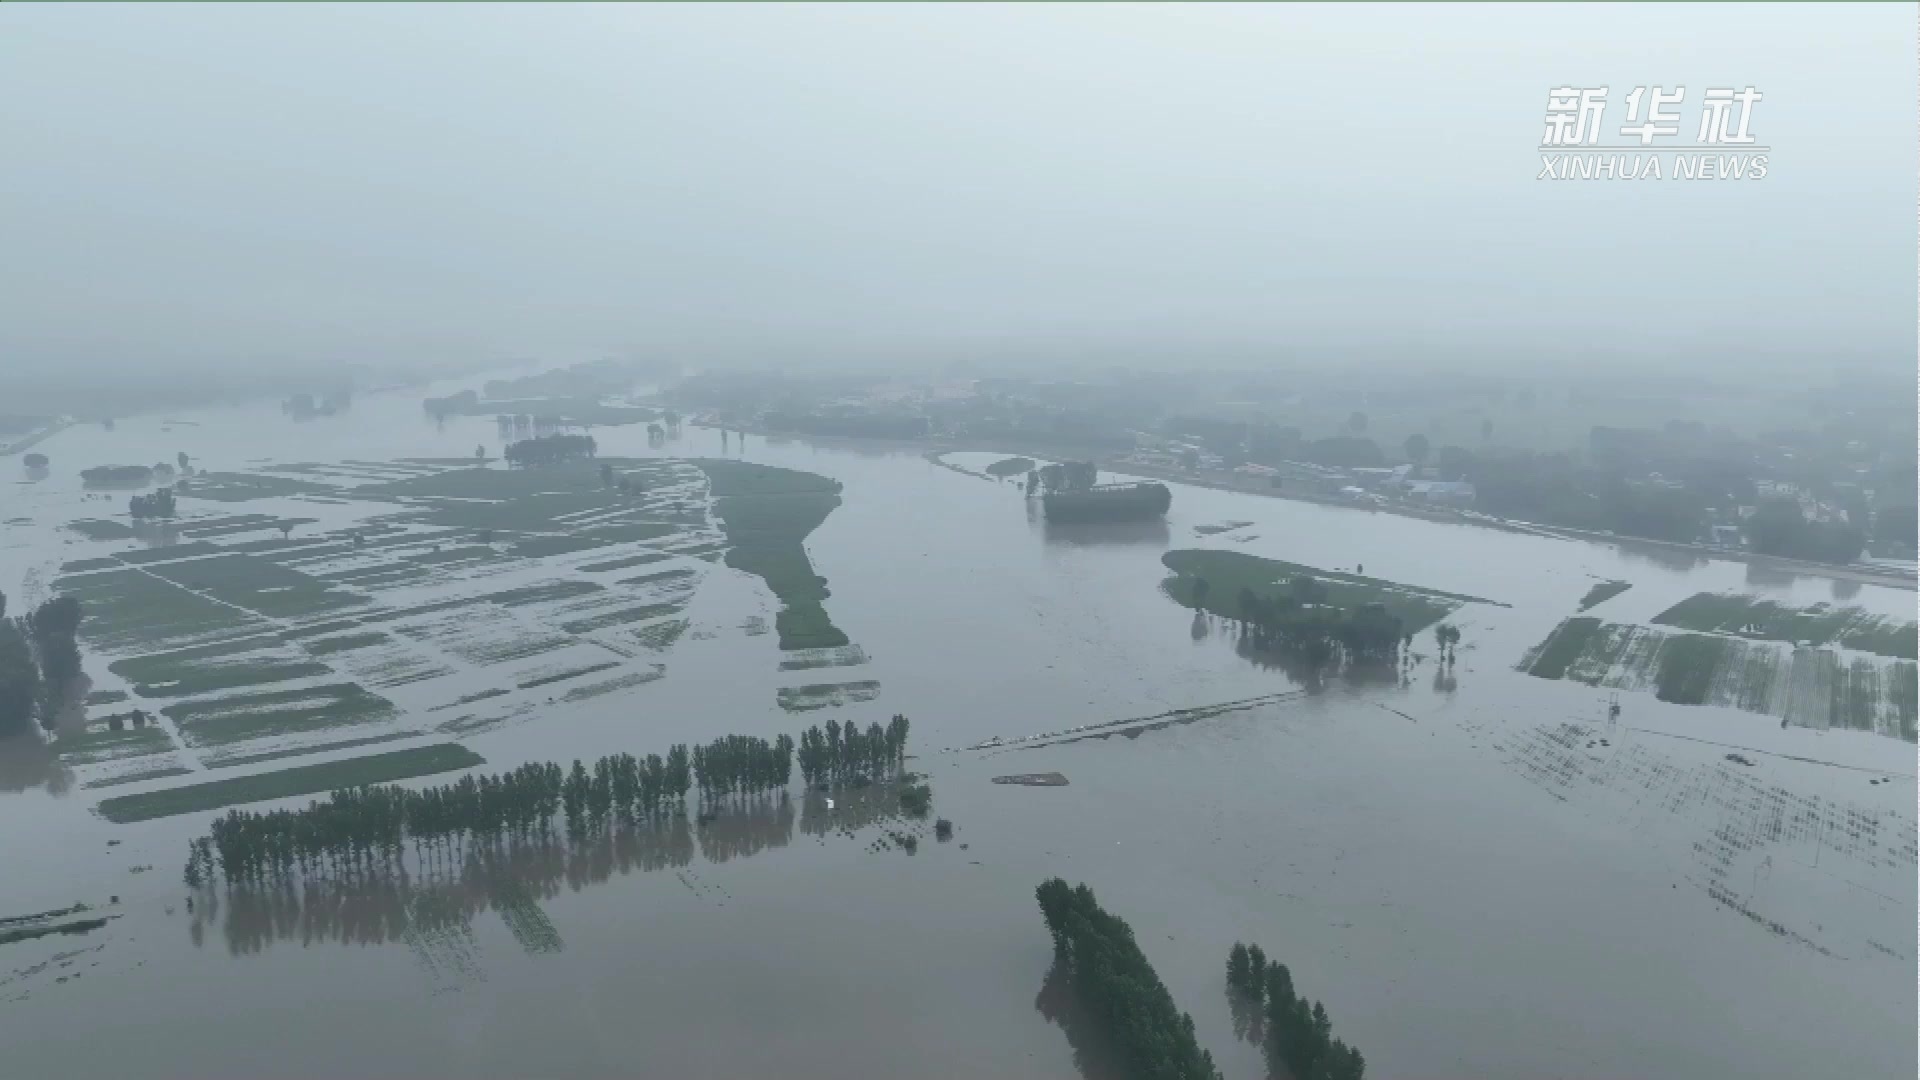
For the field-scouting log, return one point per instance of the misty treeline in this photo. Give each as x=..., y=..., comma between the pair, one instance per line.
x=39, y=663
x=868, y=426
x=1150, y=1039
x=1110, y=503
x=550, y=450
x=1058, y=478
x=365, y=831
x=1296, y=1037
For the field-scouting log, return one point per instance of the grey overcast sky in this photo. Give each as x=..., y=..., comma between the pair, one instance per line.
x=241, y=184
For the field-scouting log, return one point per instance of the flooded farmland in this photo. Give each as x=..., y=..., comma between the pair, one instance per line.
x=1480, y=871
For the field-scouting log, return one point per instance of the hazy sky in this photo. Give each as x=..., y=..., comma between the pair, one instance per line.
x=251, y=184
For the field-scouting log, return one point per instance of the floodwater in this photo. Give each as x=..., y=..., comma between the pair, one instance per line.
x=1479, y=875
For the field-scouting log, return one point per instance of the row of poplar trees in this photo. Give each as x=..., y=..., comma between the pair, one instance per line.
x=39, y=663
x=1298, y=1037
x=842, y=755
x=1111, y=976
x=365, y=829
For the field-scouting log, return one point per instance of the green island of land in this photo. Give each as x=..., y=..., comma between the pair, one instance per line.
x=766, y=513
x=1226, y=573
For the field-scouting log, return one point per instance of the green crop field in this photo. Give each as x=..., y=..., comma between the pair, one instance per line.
x=823, y=695
x=129, y=609
x=211, y=722
x=1812, y=687
x=1551, y=658
x=1821, y=624
x=300, y=780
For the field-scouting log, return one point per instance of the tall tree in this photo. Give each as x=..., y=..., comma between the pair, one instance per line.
x=1417, y=448
x=19, y=680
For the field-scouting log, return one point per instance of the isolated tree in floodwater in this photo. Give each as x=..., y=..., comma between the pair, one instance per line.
x=606, y=475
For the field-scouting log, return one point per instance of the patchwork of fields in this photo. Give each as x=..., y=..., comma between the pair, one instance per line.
x=460, y=598
x=1803, y=685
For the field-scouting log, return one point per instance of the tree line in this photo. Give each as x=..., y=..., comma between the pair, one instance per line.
x=1057, y=478
x=157, y=505
x=1300, y=620
x=39, y=663
x=845, y=754
x=1111, y=503
x=549, y=450
x=359, y=831
x=1297, y=1037
x=1778, y=527
x=1152, y=1039
x=743, y=764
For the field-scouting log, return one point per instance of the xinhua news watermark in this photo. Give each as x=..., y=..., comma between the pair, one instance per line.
x=1724, y=146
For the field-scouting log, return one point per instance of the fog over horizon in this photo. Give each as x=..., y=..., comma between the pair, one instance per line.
x=894, y=187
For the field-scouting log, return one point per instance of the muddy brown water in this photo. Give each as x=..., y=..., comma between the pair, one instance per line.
x=1476, y=873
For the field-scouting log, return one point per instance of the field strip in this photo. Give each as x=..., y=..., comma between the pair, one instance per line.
x=300, y=780
x=1112, y=727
